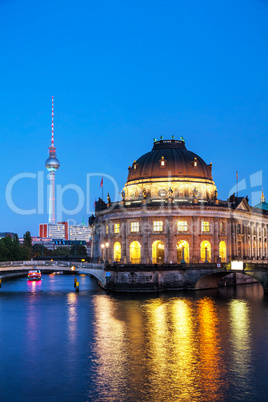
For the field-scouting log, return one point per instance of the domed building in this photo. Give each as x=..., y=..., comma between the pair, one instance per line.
x=170, y=214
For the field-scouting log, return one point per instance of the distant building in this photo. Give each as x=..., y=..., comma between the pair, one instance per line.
x=80, y=232
x=54, y=230
x=5, y=234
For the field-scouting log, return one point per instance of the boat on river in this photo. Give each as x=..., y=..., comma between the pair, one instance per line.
x=34, y=275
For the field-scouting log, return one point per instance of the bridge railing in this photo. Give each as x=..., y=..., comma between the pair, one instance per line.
x=51, y=263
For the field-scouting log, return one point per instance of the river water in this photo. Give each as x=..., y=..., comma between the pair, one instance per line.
x=58, y=345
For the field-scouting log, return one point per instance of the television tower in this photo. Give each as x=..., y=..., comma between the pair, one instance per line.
x=52, y=164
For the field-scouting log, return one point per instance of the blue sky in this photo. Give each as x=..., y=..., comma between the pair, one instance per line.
x=122, y=73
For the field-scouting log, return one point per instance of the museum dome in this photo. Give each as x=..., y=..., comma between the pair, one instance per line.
x=169, y=159
x=170, y=170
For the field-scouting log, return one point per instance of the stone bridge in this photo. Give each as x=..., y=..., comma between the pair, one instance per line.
x=149, y=277
x=20, y=268
x=142, y=278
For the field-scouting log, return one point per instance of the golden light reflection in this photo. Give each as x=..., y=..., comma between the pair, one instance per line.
x=160, y=349
x=185, y=356
x=110, y=344
x=240, y=339
x=211, y=366
x=72, y=316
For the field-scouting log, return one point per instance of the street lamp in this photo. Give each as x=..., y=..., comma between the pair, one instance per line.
x=106, y=251
x=102, y=251
x=206, y=252
x=182, y=247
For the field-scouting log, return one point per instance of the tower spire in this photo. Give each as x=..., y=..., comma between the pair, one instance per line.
x=52, y=124
x=52, y=165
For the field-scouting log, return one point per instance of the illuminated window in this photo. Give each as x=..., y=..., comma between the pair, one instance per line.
x=134, y=226
x=158, y=226
x=205, y=249
x=183, y=226
x=158, y=252
x=135, y=164
x=195, y=162
x=205, y=226
x=222, y=227
x=135, y=252
x=222, y=251
x=107, y=229
x=117, y=228
x=117, y=251
x=162, y=162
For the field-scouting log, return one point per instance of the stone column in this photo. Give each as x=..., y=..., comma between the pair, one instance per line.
x=216, y=239
x=229, y=240
x=195, y=252
x=144, y=237
x=124, y=241
x=170, y=240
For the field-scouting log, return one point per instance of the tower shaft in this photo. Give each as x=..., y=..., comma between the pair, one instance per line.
x=51, y=203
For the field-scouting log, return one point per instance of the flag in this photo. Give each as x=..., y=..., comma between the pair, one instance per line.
x=101, y=183
x=236, y=175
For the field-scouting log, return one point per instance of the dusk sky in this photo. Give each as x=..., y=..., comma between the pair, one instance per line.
x=123, y=73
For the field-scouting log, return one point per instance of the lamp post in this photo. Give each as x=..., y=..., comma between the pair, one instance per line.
x=182, y=260
x=206, y=253
x=106, y=251
x=182, y=247
x=102, y=251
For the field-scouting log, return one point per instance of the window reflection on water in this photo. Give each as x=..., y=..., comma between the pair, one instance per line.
x=161, y=348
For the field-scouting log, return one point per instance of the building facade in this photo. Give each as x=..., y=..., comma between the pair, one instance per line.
x=170, y=213
x=80, y=232
x=54, y=230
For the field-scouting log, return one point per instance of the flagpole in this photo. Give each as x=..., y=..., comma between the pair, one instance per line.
x=101, y=184
x=237, y=183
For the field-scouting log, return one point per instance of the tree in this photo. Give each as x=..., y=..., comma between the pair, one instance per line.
x=63, y=251
x=39, y=250
x=27, y=240
x=12, y=250
x=78, y=249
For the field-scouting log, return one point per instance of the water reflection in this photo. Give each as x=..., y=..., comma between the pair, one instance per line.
x=110, y=347
x=72, y=316
x=202, y=346
x=210, y=361
x=168, y=347
x=240, y=342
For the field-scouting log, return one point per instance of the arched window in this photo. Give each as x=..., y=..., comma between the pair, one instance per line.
x=135, y=252
x=117, y=251
x=182, y=251
x=222, y=251
x=205, y=251
x=158, y=252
